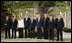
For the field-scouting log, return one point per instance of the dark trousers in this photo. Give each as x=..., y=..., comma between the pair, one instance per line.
x=51, y=34
x=7, y=32
x=14, y=33
x=20, y=32
x=39, y=33
x=28, y=33
x=45, y=33
x=32, y=32
x=59, y=32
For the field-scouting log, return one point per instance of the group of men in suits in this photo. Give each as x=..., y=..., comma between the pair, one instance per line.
x=10, y=24
x=47, y=23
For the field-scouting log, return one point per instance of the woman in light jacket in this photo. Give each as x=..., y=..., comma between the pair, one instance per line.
x=20, y=26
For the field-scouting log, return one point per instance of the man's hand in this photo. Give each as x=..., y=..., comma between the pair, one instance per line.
x=36, y=29
x=5, y=24
x=42, y=29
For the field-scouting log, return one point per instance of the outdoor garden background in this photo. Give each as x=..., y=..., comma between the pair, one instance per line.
x=32, y=7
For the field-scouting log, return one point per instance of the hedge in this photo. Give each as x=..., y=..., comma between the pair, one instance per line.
x=66, y=29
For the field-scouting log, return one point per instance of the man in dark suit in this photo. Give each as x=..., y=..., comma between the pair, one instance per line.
x=59, y=26
x=27, y=24
x=45, y=26
x=51, y=27
x=14, y=26
x=32, y=27
x=39, y=26
x=7, y=26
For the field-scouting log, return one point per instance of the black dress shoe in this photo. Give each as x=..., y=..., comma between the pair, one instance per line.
x=15, y=38
x=46, y=38
x=61, y=40
x=49, y=39
x=5, y=38
x=52, y=39
x=9, y=38
x=57, y=40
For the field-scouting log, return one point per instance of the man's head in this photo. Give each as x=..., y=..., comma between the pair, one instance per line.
x=59, y=16
x=13, y=17
x=45, y=15
x=7, y=17
x=39, y=15
x=50, y=16
x=26, y=15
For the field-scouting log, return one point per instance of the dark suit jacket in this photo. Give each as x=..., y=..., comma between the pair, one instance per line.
x=45, y=23
x=8, y=22
x=14, y=24
x=39, y=24
x=32, y=25
x=27, y=22
x=60, y=23
x=51, y=24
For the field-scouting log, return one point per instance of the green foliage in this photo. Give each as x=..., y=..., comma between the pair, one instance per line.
x=12, y=6
x=66, y=29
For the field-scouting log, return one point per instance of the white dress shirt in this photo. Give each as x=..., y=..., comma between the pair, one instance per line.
x=59, y=19
x=50, y=19
x=38, y=19
x=26, y=18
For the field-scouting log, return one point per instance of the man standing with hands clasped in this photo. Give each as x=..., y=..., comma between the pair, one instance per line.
x=51, y=28
x=59, y=26
x=7, y=27
x=45, y=26
x=14, y=26
x=27, y=24
x=39, y=26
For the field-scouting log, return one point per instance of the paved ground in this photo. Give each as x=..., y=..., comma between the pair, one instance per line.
x=66, y=37
x=32, y=40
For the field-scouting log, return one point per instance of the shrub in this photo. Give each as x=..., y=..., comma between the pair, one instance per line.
x=66, y=29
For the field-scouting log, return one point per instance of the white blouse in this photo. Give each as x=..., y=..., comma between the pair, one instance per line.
x=21, y=23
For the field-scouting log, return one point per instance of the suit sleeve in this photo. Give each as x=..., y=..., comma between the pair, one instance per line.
x=24, y=21
x=63, y=22
x=3, y=22
x=29, y=21
x=47, y=24
x=42, y=22
x=53, y=23
x=56, y=23
x=16, y=23
x=36, y=22
x=10, y=23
